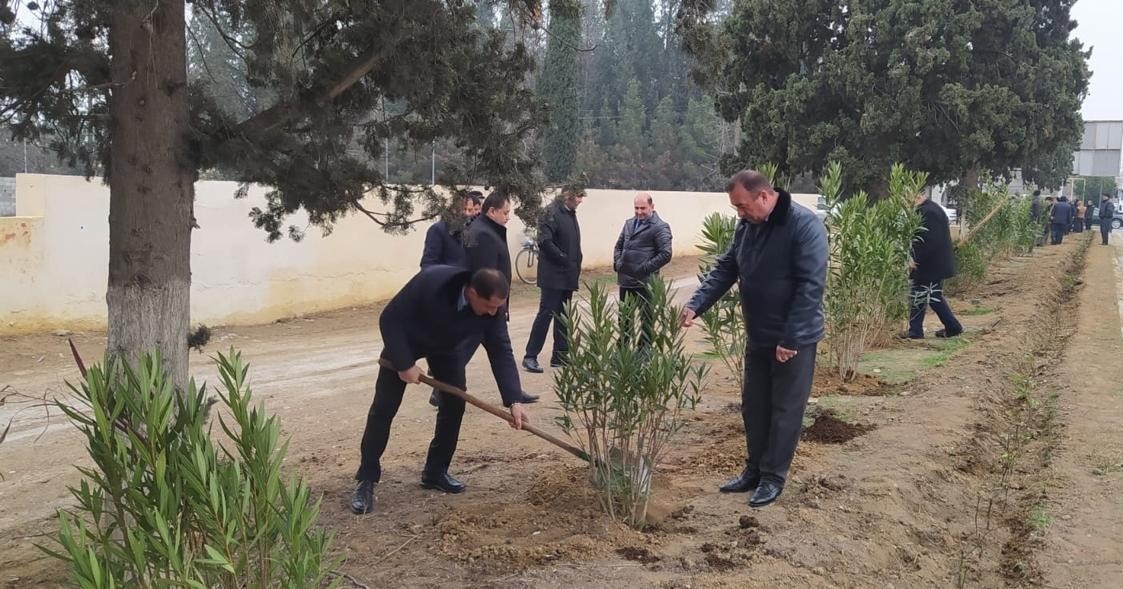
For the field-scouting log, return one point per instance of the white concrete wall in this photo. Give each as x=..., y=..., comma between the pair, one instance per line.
x=54, y=254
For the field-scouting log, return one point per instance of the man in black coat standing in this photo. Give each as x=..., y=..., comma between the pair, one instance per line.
x=1061, y=219
x=559, y=269
x=933, y=262
x=442, y=244
x=644, y=246
x=486, y=244
x=1107, y=213
x=779, y=258
x=431, y=317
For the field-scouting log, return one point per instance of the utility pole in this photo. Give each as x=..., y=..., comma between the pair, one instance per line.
x=433, y=170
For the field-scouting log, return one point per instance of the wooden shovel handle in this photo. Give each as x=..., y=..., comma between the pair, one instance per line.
x=492, y=409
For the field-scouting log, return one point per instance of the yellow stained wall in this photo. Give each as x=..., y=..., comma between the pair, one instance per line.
x=54, y=255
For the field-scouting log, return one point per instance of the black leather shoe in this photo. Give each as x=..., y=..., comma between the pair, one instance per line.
x=556, y=363
x=765, y=493
x=442, y=482
x=908, y=335
x=527, y=398
x=745, y=482
x=531, y=365
x=362, y=500
x=943, y=333
x=435, y=399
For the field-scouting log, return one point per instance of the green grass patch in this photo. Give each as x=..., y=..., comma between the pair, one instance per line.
x=900, y=365
x=946, y=348
x=841, y=406
x=978, y=310
x=1038, y=518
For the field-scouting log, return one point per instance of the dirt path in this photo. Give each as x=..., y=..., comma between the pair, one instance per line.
x=895, y=506
x=1085, y=515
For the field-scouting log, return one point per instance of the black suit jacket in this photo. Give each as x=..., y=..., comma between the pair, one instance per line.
x=424, y=320
x=932, y=250
x=487, y=246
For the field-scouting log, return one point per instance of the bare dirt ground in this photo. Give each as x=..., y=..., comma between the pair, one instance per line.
x=936, y=480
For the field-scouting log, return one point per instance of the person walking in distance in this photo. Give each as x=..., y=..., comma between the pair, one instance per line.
x=932, y=263
x=559, y=269
x=779, y=257
x=644, y=246
x=431, y=317
x=1107, y=213
x=1089, y=212
x=1078, y=217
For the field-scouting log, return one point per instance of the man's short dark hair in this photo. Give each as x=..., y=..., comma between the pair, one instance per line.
x=490, y=283
x=1107, y=195
x=750, y=180
x=495, y=200
x=1037, y=193
x=475, y=196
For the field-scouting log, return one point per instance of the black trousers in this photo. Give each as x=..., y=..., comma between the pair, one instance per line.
x=550, y=308
x=642, y=298
x=388, y=392
x=773, y=400
x=1058, y=233
x=1105, y=230
x=930, y=294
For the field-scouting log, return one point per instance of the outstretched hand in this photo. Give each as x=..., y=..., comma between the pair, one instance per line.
x=686, y=317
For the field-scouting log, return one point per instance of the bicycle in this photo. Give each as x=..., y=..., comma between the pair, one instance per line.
x=526, y=261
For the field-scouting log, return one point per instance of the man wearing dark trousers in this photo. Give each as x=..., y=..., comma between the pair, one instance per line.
x=559, y=269
x=779, y=258
x=431, y=317
x=644, y=246
x=933, y=262
x=1061, y=219
x=1107, y=213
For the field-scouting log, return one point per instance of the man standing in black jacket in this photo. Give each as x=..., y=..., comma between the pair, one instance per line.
x=486, y=245
x=431, y=317
x=644, y=246
x=559, y=269
x=779, y=257
x=1107, y=213
x=444, y=246
x=1061, y=219
x=933, y=262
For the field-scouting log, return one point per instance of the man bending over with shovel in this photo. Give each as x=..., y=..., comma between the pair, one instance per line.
x=431, y=317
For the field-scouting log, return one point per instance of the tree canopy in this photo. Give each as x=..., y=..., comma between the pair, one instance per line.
x=943, y=86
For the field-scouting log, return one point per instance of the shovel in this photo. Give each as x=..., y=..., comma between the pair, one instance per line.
x=615, y=454
x=496, y=411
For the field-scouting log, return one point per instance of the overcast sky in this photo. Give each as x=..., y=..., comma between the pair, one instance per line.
x=1100, y=26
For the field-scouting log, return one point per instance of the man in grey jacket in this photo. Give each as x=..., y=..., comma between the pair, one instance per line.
x=779, y=257
x=644, y=246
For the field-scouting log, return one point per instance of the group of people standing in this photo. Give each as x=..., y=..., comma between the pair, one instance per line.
x=460, y=301
x=778, y=259
x=1061, y=217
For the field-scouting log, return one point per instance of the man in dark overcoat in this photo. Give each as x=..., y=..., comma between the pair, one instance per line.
x=431, y=317
x=933, y=262
x=644, y=246
x=779, y=260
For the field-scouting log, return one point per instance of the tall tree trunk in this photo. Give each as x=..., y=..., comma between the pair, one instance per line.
x=151, y=185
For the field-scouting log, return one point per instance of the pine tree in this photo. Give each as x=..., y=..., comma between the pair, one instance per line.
x=558, y=88
x=116, y=71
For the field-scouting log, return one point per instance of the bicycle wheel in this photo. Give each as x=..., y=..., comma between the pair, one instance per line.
x=526, y=266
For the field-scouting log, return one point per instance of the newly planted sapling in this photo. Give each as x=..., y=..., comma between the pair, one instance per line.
x=624, y=404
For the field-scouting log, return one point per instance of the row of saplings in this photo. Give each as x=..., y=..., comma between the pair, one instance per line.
x=166, y=505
